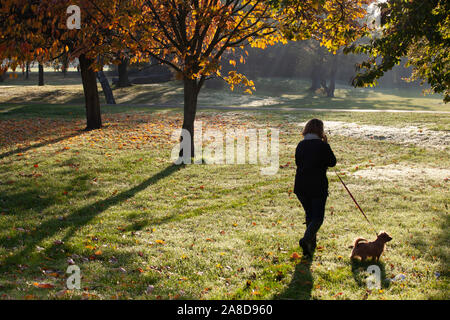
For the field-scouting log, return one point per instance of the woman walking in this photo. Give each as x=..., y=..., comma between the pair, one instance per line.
x=313, y=156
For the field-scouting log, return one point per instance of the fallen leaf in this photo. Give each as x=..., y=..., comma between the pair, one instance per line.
x=295, y=256
x=43, y=285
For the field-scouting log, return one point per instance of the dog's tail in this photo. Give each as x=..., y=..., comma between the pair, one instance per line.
x=357, y=241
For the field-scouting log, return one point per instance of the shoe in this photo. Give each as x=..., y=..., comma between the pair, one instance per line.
x=305, y=247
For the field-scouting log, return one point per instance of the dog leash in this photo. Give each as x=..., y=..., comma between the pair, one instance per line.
x=354, y=200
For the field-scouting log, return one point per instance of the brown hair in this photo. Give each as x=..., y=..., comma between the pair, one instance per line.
x=314, y=126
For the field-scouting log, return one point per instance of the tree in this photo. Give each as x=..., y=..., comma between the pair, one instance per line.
x=34, y=30
x=317, y=70
x=333, y=70
x=27, y=70
x=122, y=69
x=109, y=97
x=41, y=74
x=192, y=36
x=201, y=32
x=334, y=24
x=416, y=29
x=64, y=64
x=93, y=115
x=324, y=68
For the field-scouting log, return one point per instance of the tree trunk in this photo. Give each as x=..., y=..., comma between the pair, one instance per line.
x=27, y=71
x=88, y=76
x=123, y=74
x=333, y=71
x=315, y=78
x=41, y=75
x=317, y=73
x=323, y=83
x=191, y=90
x=106, y=88
x=65, y=64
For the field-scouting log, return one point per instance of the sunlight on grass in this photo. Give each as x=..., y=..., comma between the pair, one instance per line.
x=270, y=92
x=110, y=201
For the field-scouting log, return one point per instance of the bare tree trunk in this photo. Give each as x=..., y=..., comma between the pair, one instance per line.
x=27, y=71
x=106, y=88
x=191, y=90
x=88, y=76
x=317, y=70
x=65, y=64
x=315, y=79
x=333, y=71
x=41, y=74
x=123, y=74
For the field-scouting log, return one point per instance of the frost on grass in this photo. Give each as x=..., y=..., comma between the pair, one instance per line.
x=397, y=172
x=402, y=135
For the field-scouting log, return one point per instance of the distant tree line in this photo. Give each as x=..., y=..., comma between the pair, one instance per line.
x=308, y=60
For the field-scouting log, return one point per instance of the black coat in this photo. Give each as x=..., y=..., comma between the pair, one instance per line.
x=313, y=157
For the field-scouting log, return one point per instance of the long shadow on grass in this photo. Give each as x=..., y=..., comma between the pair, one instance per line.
x=360, y=274
x=41, y=144
x=441, y=244
x=76, y=220
x=301, y=284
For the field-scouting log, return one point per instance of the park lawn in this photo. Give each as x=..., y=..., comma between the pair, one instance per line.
x=111, y=201
x=270, y=92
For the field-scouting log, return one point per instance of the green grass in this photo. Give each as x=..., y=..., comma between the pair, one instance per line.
x=111, y=200
x=274, y=92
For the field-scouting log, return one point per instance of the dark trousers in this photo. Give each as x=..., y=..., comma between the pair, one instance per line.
x=315, y=213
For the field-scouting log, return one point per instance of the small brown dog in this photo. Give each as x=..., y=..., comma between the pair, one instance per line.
x=365, y=249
